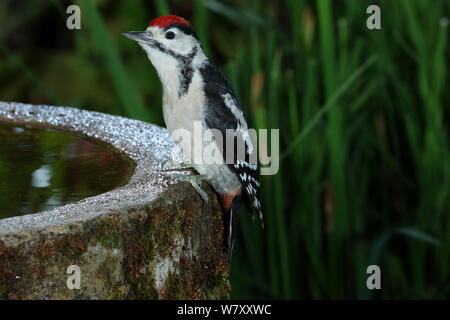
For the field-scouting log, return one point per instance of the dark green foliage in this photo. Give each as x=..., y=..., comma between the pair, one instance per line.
x=363, y=116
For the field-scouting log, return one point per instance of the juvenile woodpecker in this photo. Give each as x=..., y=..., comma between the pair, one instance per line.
x=195, y=90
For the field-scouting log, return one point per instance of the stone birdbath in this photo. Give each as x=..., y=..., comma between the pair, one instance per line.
x=124, y=228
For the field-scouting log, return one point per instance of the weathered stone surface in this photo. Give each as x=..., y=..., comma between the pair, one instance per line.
x=150, y=239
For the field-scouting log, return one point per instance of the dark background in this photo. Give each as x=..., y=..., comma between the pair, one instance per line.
x=363, y=116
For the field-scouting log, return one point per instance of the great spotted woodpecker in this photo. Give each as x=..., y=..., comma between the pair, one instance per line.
x=195, y=90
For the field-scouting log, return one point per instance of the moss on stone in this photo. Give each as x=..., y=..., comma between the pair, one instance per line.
x=142, y=236
x=174, y=288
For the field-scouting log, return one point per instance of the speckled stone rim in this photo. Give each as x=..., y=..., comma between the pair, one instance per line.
x=149, y=146
x=150, y=239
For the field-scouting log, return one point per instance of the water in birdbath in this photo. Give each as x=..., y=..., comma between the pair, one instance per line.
x=41, y=169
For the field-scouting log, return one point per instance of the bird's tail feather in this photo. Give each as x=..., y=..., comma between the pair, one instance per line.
x=233, y=224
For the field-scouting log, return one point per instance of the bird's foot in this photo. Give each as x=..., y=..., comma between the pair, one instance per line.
x=176, y=166
x=195, y=180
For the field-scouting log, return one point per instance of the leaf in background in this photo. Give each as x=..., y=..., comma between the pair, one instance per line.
x=131, y=102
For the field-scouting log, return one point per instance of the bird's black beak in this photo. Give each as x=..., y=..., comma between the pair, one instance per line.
x=140, y=36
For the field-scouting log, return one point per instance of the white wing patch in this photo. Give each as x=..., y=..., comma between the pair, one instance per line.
x=250, y=183
x=247, y=140
x=239, y=115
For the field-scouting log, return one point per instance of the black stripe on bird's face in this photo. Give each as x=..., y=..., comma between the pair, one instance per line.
x=187, y=30
x=184, y=60
x=185, y=65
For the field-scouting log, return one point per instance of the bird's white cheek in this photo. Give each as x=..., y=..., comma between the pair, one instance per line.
x=165, y=65
x=182, y=47
x=155, y=56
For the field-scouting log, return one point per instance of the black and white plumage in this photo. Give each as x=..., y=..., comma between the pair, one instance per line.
x=195, y=91
x=223, y=111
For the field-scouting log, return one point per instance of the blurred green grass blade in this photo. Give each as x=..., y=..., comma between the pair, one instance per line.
x=404, y=231
x=343, y=47
x=293, y=104
x=308, y=106
x=363, y=96
x=132, y=105
x=439, y=61
x=237, y=16
x=256, y=55
x=416, y=29
x=279, y=234
x=327, y=44
x=162, y=7
x=328, y=105
x=418, y=235
x=201, y=25
x=34, y=78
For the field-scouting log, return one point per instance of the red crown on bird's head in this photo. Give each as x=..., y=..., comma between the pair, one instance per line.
x=165, y=21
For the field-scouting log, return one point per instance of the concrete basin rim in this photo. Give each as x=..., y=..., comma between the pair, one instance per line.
x=147, y=145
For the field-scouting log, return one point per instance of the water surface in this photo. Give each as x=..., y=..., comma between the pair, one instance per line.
x=41, y=169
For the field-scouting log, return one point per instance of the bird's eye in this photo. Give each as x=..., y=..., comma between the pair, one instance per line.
x=170, y=35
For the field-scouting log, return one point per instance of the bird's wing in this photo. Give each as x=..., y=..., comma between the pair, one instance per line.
x=223, y=111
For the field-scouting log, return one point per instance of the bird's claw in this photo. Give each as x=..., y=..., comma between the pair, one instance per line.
x=176, y=166
x=195, y=181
